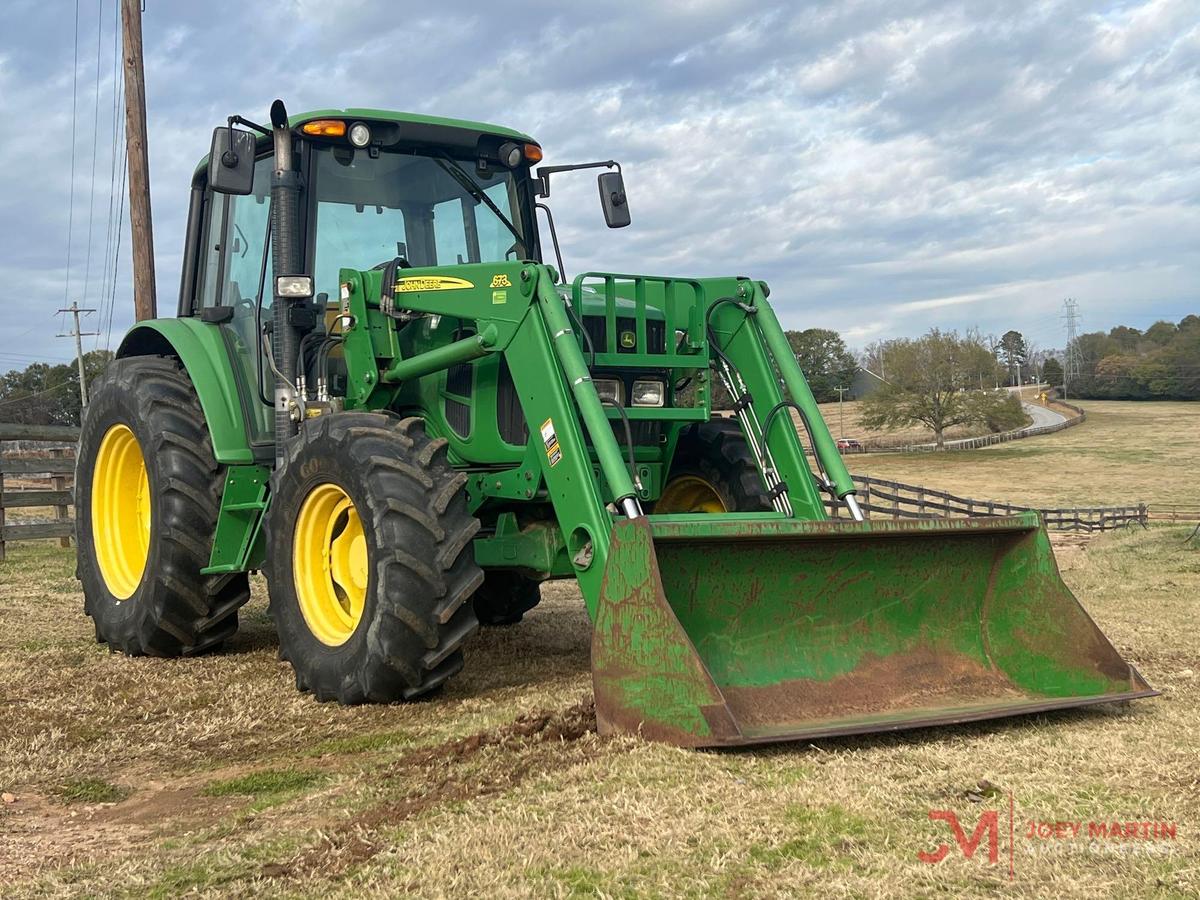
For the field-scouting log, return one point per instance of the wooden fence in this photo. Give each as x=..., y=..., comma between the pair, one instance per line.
x=1175, y=512
x=45, y=480
x=882, y=499
x=40, y=477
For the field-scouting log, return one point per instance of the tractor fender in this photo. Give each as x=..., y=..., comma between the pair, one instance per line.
x=201, y=349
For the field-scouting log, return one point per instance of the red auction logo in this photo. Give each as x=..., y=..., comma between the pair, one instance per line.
x=989, y=824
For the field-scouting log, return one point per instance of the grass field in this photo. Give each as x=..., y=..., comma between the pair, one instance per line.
x=1124, y=453
x=142, y=777
x=154, y=777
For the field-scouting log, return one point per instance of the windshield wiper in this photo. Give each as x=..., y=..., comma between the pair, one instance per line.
x=455, y=171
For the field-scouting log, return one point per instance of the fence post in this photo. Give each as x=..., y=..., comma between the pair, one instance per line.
x=896, y=503
x=867, y=499
x=1, y=515
x=921, y=500
x=59, y=483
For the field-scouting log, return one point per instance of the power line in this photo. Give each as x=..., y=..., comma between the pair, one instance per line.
x=71, y=202
x=112, y=297
x=109, y=260
x=87, y=269
x=57, y=387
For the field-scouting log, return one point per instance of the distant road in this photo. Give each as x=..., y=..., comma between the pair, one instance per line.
x=1042, y=416
x=1038, y=414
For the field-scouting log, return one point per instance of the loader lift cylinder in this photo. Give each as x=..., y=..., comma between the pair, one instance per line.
x=591, y=410
x=285, y=253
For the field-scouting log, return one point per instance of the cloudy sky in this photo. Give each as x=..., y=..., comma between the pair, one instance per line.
x=887, y=165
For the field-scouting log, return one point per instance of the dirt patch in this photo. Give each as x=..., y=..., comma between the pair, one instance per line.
x=41, y=832
x=455, y=771
x=902, y=681
x=1069, y=549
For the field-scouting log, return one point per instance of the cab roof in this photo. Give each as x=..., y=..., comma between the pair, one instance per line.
x=420, y=127
x=387, y=115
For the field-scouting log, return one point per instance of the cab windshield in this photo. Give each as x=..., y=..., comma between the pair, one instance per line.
x=430, y=210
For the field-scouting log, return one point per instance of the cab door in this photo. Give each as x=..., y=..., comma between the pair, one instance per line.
x=234, y=291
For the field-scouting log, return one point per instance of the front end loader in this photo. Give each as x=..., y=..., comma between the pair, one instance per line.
x=380, y=394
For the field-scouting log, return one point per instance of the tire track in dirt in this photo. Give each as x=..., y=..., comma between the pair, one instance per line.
x=487, y=763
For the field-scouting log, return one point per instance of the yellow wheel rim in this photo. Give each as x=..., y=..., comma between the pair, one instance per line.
x=329, y=564
x=121, y=511
x=690, y=494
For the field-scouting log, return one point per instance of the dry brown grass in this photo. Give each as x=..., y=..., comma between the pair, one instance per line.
x=144, y=777
x=236, y=784
x=1124, y=453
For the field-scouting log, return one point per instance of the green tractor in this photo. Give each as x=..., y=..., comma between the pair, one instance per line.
x=379, y=393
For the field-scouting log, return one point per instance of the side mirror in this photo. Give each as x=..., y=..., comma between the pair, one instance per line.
x=231, y=161
x=612, y=199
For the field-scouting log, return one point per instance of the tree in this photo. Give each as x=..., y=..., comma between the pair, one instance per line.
x=44, y=394
x=824, y=360
x=1013, y=353
x=1052, y=372
x=1161, y=333
x=934, y=381
x=1126, y=338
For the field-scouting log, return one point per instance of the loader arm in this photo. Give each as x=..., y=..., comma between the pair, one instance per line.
x=581, y=467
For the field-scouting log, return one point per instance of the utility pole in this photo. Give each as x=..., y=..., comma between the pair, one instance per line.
x=144, y=301
x=841, y=417
x=75, y=311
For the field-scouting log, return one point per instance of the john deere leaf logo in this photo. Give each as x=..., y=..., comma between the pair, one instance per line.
x=628, y=339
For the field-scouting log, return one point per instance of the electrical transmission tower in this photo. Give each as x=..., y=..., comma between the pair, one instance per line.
x=1073, y=366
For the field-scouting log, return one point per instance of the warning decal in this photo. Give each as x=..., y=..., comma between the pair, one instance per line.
x=550, y=439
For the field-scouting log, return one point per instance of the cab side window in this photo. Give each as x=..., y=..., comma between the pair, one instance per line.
x=231, y=255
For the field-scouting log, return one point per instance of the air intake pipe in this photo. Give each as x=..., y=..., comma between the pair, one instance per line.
x=285, y=254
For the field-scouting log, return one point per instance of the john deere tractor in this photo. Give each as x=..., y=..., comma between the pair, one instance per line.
x=380, y=393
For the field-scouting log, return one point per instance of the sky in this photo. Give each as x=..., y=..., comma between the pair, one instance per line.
x=887, y=167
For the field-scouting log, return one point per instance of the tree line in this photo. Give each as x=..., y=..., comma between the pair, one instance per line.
x=1160, y=363
x=48, y=394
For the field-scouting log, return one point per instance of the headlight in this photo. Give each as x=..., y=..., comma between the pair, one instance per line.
x=360, y=134
x=610, y=389
x=648, y=393
x=294, y=286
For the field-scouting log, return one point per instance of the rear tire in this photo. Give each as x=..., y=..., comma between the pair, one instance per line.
x=505, y=597
x=150, y=598
x=404, y=606
x=713, y=471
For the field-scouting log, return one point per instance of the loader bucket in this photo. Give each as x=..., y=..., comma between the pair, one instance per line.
x=720, y=630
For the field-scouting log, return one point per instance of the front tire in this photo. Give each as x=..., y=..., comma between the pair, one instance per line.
x=148, y=491
x=713, y=471
x=370, y=562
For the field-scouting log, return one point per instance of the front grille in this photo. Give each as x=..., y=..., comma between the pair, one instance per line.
x=597, y=329
x=510, y=419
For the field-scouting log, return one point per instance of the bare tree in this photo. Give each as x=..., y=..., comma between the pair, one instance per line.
x=935, y=381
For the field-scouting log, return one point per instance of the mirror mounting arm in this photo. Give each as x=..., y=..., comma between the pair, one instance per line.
x=544, y=173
